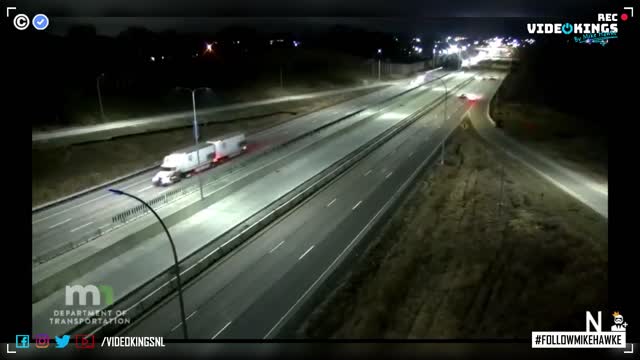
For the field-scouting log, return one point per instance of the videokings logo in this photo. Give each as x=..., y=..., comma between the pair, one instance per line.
x=592, y=337
x=598, y=32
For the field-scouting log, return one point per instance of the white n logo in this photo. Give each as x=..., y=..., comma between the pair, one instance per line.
x=597, y=326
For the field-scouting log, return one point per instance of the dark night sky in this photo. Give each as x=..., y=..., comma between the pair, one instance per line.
x=360, y=8
x=112, y=16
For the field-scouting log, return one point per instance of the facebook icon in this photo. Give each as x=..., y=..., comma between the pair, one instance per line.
x=22, y=341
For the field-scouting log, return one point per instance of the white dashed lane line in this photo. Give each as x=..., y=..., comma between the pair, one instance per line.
x=81, y=226
x=306, y=252
x=60, y=223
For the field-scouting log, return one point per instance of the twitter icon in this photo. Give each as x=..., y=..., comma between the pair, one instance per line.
x=62, y=341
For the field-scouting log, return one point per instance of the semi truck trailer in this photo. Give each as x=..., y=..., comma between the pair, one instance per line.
x=184, y=163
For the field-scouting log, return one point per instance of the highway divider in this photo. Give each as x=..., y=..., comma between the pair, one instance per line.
x=204, y=112
x=137, y=212
x=137, y=303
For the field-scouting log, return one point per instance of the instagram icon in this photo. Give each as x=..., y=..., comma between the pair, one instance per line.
x=42, y=341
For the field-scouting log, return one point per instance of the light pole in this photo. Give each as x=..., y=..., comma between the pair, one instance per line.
x=379, y=54
x=195, y=130
x=434, y=56
x=175, y=256
x=446, y=93
x=100, y=95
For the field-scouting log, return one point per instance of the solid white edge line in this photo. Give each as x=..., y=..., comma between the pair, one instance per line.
x=358, y=204
x=324, y=272
x=221, y=330
x=331, y=203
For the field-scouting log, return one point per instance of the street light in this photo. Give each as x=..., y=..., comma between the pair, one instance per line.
x=379, y=53
x=446, y=93
x=175, y=256
x=195, y=130
x=100, y=95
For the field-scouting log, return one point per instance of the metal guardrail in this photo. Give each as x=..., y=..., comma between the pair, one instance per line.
x=157, y=288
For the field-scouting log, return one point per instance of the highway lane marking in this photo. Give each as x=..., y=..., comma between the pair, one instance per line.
x=306, y=252
x=410, y=155
x=358, y=204
x=84, y=203
x=389, y=174
x=221, y=330
x=81, y=226
x=367, y=173
x=324, y=272
x=331, y=203
x=277, y=246
x=186, y=319
x=145, y=189
x=60, y=223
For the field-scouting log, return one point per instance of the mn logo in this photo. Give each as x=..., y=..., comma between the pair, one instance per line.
x=100, y=295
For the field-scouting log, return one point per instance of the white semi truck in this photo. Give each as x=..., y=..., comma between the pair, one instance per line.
x=184, y=163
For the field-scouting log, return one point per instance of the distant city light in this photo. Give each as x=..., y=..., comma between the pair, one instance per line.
x=295, y=43
x=270, y=42
x=379, y=51
x=476, y=42
x=395, y=38
x=416, y=39
x=162, y=57
x=209, y=48
x=153, y=58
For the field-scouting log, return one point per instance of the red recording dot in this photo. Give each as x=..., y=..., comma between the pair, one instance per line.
x=624, y=17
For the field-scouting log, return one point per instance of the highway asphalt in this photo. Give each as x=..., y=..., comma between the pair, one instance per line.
x=81, y=218
x=252, y=294
x=139, y=264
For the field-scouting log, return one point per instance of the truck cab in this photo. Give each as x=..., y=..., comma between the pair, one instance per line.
x=166, y=176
